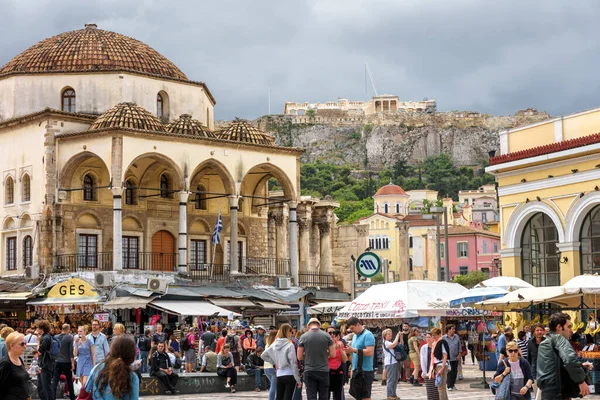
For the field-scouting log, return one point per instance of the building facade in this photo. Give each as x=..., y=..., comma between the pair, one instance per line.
x=547, y=176
x=385, y=103
x=483, y=203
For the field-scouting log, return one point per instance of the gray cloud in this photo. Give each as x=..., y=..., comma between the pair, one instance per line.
x=495, y=57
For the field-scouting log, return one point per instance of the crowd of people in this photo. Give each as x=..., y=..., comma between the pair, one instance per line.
x=317, y=361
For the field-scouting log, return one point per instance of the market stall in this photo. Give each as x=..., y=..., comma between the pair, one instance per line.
x=327, y=308
x=509, y=283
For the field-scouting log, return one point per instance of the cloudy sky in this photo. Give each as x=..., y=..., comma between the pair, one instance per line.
x=494, y=57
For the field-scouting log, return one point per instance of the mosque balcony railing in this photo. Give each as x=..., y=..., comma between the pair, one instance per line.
x=206, y=272
x=266, y=266
x=315, y=279
x=149, y=261
x=83, y=262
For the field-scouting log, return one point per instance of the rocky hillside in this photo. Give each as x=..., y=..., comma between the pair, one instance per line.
x=380, y=140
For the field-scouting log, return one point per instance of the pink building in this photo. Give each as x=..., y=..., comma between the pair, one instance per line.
x=470, y=249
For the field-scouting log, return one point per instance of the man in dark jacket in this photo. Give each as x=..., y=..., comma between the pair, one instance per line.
x=554, y=350
x=256, y=366
x=532, y=348
x=65, y=362
x=160, y=367
x=45, y=362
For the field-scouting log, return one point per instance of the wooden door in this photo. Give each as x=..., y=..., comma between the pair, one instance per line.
x=163, y=251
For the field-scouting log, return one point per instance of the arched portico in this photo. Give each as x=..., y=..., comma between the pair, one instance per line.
x=577, y=213
x=519, y=218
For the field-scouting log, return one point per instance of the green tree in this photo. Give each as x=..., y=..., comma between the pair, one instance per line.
x=471, y=279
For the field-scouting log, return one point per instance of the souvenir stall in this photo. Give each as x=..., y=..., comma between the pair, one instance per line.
x=13, y=310
x=73, y=301
x=128, y=310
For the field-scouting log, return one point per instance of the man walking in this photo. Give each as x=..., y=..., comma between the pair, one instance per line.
x=315, y=347
x=209, y=339
x=65, y=362
x=363, y=342
x=532, y=353
x=455, y=348
x=99, y=341
x=162, y=369
x=45, y=362
x=502, y=341
x=145, y=345
x=159, y=335
x=556, y=351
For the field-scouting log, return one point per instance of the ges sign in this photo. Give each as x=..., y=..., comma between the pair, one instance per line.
x=368, y=264
x=73, y=287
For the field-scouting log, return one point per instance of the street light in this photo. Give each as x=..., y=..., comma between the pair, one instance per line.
x=438, y=211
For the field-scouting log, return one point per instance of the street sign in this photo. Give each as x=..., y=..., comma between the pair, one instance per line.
x=368, y=264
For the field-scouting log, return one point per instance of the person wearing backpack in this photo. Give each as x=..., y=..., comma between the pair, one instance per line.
x=45, y=362
x=189, y=346
x=233, y=340
x=390, y=362
x=145, y=344
x=65, y=360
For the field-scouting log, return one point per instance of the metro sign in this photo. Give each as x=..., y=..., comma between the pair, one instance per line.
x=368, y=264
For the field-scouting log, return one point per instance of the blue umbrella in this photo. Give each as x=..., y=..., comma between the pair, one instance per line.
x=471, y=296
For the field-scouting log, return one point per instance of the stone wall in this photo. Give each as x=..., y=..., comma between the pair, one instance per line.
x=348, y=240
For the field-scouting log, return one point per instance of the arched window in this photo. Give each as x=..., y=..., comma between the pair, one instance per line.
x=410, y=265
x=386, y=208
x=410, y=242
x=201, y=198
x=26, y=188
x=376, y=207
x=89, y=188
x=590, y=242
x=159, y=105
x=130, y=193
x=207, y=118
x=68, y=100
x=164, y=186
x=27, y=251
x=539, y=261
x=9, y=191
x=397, y=208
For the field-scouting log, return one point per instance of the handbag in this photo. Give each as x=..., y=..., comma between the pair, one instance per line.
x=503, y=390
x=358, y=384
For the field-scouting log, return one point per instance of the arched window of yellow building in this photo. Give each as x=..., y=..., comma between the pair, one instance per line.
x=539, y=261
x=590, y=242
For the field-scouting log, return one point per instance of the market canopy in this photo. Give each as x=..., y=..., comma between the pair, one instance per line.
x=192, y=308
x=127, y=303
x=583, y=284
x=509, y=283
x=327, y=308
x=230, y=302
x=522, y=298
x=53, y=301
x=407, y=299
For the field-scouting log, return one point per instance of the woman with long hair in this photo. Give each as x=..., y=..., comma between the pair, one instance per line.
x=113, y=379
x=84, y=350
x=14, y=379
x=173, y=342
x=225, y=367
x=118, y=329
x=270, y=369
x=336, y=366
x=414, y=351
x=283, y=354
x=248, y=345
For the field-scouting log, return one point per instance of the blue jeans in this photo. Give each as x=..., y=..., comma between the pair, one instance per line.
x=144, y=357
x=272, y=377
x=257, y=372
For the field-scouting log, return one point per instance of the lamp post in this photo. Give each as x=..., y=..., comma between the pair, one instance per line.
x=438, y=211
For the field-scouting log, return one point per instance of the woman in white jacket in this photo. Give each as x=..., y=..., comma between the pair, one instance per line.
x=282, y=354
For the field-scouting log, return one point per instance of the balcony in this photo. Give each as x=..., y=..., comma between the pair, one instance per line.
x=265, y=266
x=209, y=272
x=315, y=279
x=160, y=262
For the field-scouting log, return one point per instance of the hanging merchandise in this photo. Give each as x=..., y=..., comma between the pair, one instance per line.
x=461, y=328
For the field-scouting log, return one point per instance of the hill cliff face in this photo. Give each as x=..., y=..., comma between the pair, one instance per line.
x=380, y=140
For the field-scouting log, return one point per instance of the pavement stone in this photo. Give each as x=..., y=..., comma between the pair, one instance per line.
x=405, y=391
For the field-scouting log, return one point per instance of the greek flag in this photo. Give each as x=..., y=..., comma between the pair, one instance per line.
x=216, y=236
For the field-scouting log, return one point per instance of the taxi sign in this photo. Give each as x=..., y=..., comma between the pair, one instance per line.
x=368, y=264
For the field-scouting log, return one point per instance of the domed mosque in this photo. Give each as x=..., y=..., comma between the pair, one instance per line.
x=111, y=163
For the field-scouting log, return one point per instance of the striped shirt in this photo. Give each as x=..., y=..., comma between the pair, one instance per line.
x=523, y=346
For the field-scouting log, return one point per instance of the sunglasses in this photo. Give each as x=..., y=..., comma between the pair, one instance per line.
x=513, y=351
x=22, y=344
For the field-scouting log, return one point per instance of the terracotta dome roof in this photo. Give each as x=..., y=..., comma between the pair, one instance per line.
x=91, y=50
x=391, y=189
x=185, y=125
x=242, y=131
x=128, y=115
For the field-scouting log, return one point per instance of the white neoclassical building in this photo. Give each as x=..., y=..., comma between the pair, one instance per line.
x=110, y=161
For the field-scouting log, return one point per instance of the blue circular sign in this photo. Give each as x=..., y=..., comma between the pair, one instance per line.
x=368, y=264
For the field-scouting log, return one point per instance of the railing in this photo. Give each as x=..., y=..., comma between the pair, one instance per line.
x=209, y=272
x=83, y=262
x=266, y=266
x=314, y=279
x=165, y=262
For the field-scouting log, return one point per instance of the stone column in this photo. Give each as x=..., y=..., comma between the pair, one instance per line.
x=182, y=242
x=304, y=239
x=293, y=238
x=117, y=229
x=233, y=234
x=280, y=236
x=326, y=266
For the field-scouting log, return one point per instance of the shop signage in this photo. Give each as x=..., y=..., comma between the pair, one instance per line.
x=472, y=312
x=72, y=288
x=294, y=310
x=368, y=264
x=102, y=317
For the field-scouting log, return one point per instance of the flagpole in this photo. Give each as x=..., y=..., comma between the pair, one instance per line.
x=215, y=240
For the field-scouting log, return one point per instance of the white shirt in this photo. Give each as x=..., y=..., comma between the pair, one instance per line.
x=389, y=358
x=30, y=339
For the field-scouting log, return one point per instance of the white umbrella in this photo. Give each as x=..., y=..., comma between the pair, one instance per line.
x=477, y=294
x=583, y=284
x=522, y=298
x=509, y=283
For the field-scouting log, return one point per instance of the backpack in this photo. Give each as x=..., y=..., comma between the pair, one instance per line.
x=230, y=340
x=55, y=347
x=185, y=344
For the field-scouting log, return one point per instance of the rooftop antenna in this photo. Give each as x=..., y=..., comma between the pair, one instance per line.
x=368, y=72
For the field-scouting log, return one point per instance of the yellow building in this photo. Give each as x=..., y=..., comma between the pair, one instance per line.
x=549, y=195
